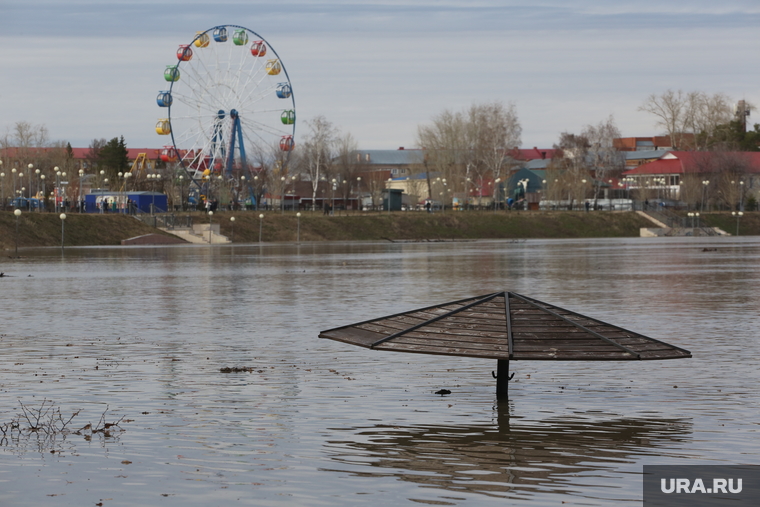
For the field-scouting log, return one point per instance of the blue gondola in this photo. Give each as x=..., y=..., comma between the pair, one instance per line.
x=164, y=99
x=284, y=91
x=220, y=34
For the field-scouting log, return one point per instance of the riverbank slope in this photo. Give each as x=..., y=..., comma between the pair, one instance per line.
x=44, y=229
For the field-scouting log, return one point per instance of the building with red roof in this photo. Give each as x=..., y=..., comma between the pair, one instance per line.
x=709, y=168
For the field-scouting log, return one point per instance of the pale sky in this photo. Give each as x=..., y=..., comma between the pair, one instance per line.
x=91, y=69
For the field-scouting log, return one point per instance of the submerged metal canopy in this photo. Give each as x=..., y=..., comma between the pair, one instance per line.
x=504, y=326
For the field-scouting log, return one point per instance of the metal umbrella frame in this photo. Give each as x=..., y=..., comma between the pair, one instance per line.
x=504, y=326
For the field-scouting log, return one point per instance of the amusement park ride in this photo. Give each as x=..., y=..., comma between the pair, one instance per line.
x=225, y=101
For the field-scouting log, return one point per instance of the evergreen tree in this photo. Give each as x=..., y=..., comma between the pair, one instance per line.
x=113, y=157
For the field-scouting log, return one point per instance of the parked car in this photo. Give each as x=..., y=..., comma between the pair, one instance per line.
x=25, y=203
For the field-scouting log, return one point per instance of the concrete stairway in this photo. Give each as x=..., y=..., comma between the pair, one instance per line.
x=200, y=234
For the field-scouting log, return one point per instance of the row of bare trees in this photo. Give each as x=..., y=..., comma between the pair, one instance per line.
x=690, y=119
x=466, y=149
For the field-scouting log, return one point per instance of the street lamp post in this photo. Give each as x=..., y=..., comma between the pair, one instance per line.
x=29, y=194
x=332, y=195
x=62, y=191
x=17, y=213
x=256, y=189
x=282, y=194
x=495, y=190
x=298, y=233
x=359, y=192
x=79, y=203
x=56, y=189
x=153, y=178
x=2, y=188
x=37, y=172
x=13, y=177
x=219, y=179
x=210, y=214
x=524, y=184
x=241, y=192
x=42, y=184
x=63, y=219
x=704, y=190
x=181, y=193
x=21, y=182
x=232, y=225
x=738, y=215
x=261, y=220
x=389, y=195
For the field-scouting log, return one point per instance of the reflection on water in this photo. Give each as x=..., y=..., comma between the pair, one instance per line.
x=145, y=332
x=510, y=458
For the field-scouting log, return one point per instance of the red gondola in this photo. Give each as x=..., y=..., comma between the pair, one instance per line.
x=184, y=53
x=168, y=154
x=287, y=143
x=258, y=48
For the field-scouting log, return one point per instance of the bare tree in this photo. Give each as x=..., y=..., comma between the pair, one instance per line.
x=317, y=152
x=445, y=145
x=573, y=159
x=690, y=190
x=348, y=165
x=469, y=148
x=494, y=130
x=604, y=159
x=695, y=114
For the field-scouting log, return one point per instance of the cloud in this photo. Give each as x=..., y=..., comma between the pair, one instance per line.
x=92, y=69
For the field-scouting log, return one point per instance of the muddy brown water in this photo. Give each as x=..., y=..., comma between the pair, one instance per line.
x=142, y=333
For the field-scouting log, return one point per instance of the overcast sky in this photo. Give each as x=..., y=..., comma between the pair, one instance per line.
x=91, y=69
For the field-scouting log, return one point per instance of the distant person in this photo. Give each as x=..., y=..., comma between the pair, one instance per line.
x=428, y=206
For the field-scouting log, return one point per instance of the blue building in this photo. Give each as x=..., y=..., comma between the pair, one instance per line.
x=117, y=202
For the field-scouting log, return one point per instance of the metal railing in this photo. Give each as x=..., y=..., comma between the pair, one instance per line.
x=168, y=221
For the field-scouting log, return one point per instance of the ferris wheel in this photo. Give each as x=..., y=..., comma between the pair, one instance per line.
x=229, y=101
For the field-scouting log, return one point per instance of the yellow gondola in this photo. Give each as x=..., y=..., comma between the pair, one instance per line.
x=163, y=127
x=202, y=40
x=273, y=67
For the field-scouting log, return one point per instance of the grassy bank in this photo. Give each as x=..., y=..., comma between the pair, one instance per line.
x=44, y=229
x=430, y=226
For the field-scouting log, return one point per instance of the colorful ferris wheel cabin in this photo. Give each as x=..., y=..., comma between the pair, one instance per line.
x=284, y=91
x=164, y=99
x=287, y=143
x=240, y=37
x=201, y=40
x=169, y=154
x=273, y=67
x=258, y=48
x=171, y=73
x=184, y=53
x=220, y=34
x=288, y=117
x=163, y=127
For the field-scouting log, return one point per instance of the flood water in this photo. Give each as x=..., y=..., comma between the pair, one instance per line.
x=139, y=335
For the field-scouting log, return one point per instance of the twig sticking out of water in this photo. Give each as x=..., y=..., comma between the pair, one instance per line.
x=41, y=426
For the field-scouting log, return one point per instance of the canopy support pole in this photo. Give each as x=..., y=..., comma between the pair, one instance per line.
x=502, y=378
